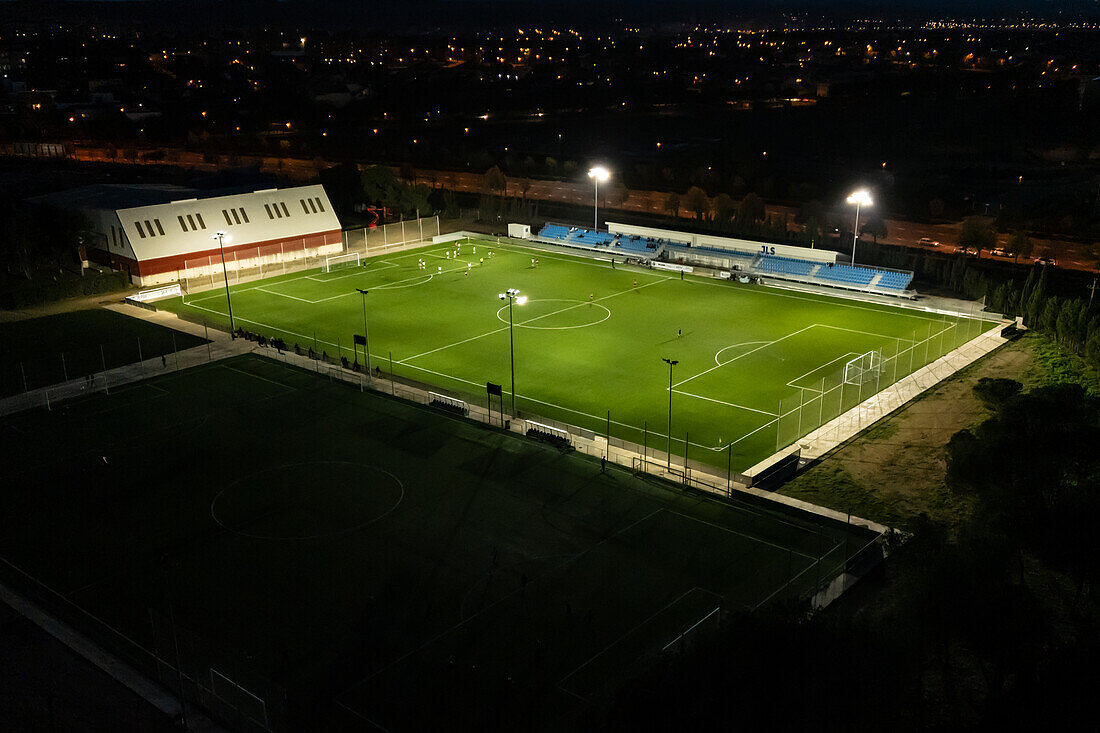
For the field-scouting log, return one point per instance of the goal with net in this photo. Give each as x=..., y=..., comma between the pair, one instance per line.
x=339, y=262
x=863, y=369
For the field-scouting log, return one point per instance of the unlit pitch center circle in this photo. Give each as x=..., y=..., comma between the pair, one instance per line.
x=502, y=314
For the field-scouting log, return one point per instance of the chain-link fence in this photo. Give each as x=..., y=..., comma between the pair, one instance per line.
x=256, y=263
x=375, y=240
x=295, y=255
x=45, y=380
x=824, y=396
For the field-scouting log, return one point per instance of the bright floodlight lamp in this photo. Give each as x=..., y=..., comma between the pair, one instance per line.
x=597, y=174
x=512, y=296
x=221, y=235
x=859, y=198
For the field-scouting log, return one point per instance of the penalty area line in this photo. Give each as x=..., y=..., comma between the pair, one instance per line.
x=723, y=402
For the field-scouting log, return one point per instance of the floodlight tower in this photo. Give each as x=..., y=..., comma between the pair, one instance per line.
x=221, y=235
x=366, y=336
x=597, y=174
x=671, y=363
x=860, y=198
x=512, y=296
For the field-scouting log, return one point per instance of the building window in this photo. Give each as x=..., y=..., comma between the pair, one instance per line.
x=140, y=232
x=226, y=215
x=313, y=206
x=278, y=213
x=287, y=213
x=319, y=204
x=159, y=227
x=183, y=224
x=244, y=215
x=304, y=207
x=149, y=226
x=202, y=224
x=191, y=221
x=236, y=219
x=268, y=210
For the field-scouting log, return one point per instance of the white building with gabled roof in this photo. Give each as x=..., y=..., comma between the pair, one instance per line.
x=153, y=232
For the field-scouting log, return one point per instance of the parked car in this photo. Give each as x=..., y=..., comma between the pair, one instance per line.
x=1000, y=252
x=927, y=242
x=1046, y=261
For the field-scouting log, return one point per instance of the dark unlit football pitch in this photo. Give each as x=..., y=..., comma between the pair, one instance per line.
x=312, y=553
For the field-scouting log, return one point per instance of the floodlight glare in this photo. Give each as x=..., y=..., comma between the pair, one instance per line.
x=599, y=173
x=860, y=198
x=521, y=300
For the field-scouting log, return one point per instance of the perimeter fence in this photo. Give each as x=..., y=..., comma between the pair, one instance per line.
x=296, y=255
x=49, y=379
x=87, y=363
x=837, y=388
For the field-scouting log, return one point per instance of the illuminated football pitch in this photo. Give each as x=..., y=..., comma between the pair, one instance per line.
x=758, y=367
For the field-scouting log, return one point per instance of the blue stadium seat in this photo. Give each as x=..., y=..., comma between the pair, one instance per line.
x=786, y=266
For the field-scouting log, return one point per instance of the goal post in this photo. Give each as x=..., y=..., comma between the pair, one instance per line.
x=864, y=368
x=341, y=261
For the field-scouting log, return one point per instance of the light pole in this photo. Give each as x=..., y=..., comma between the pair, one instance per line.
x=512, y=296
x=859, y=198
x=671, y=363
x=597, y=174
x=366, y=336
x=220, y=235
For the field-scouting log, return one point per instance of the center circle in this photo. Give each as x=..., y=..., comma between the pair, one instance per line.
x=540, y=313
x=306, y=501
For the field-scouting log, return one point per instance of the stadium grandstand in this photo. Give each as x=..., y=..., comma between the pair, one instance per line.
x=157, y=232
x=756, y=259
x=627, y=245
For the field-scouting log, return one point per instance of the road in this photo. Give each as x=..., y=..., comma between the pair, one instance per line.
x=1070, y=255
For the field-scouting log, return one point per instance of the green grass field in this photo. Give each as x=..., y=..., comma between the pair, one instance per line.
x=51, y=349
x=591, y=338
x=372, y=558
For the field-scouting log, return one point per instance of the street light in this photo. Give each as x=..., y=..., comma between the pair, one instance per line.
x=859, y=198
x=671, y=363
x=366, y=337
x=597, y=174
x=512, y=296
x=220, y=235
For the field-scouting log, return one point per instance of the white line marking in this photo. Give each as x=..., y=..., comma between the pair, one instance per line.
x=740, y=356
x=865, y=333
x=407, y=359
x=723, y=402
x=719, y=362
x=817, y=368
